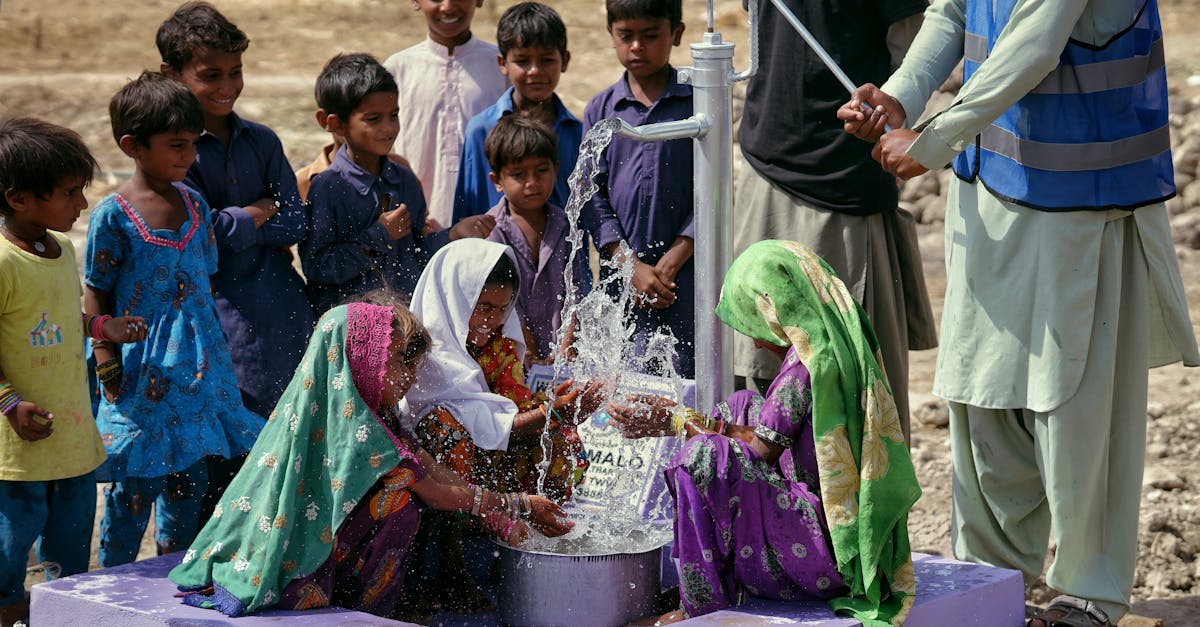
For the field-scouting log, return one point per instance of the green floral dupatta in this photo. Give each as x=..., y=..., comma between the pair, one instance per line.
x=782, y=293
x=320, y=452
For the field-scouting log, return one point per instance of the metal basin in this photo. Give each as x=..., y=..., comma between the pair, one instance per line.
x=545, y=589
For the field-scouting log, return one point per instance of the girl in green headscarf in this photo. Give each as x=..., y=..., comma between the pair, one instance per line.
x=323, y=511
x=804, y=493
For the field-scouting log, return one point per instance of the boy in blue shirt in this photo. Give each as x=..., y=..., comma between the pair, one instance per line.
x=366, y=212
x=241, y=171
x=533, y=54
x=645, y=189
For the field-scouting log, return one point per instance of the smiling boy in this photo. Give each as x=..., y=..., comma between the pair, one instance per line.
x=367, y=212
x=533, y=55
x=242, y=172
x=443, y=82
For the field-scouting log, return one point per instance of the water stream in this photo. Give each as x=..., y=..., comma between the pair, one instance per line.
x=603, y=349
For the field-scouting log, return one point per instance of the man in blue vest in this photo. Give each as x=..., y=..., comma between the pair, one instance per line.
x=1062, y=285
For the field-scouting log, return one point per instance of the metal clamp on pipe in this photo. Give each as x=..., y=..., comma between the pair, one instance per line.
x=693, y=127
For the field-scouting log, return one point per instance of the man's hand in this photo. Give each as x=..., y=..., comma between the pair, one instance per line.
x=869, y=126
x=32, y=423
x=892, y=153
x=475, y=226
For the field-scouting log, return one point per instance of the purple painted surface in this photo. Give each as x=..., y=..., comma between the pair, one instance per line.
x=139, y=594
x=949, y=592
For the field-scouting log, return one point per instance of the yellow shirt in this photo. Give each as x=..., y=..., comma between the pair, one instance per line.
x=41, y=353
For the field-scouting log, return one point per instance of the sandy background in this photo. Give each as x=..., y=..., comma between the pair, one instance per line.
x=62, y=61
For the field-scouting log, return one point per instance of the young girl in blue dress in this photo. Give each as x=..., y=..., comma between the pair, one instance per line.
x=171, y=400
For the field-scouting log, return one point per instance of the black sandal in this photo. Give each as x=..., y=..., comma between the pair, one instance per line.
x=1069, y=611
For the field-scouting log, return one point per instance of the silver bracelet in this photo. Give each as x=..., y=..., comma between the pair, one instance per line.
x=477, y=504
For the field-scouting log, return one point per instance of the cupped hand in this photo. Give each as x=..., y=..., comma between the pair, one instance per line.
x=125, y=329
x=31, y=422
x=892, y=153
x=548, y=517
x=870, y=125
x=642, y=416
x=574, y=403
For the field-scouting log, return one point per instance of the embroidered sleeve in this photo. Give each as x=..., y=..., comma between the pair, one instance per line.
x=767, y=434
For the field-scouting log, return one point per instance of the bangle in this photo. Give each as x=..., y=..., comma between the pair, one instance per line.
x=109, y=371
x=96, y=325
x=720, y=427
x=9, y=399
x=477, y=503
x=526, y=507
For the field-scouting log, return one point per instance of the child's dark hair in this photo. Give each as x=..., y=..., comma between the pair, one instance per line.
x=503, y=274
x=528, y=25
x=36, y=156
x=196, y=25
x=516, y=137
x=349, y=78
x=670, y=10
x=151, y=104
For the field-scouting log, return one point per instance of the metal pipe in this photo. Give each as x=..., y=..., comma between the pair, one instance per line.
x=687, y=128
x=713, y=183
x=752, y=33
x=823, y=54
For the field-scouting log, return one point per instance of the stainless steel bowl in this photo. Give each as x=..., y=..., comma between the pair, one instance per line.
x=545, y=589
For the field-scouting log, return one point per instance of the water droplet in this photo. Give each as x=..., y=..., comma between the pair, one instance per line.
x=632, y=585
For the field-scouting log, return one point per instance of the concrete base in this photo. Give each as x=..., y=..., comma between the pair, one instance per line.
x=136, y=595
x=140, y=595
x=949, y=592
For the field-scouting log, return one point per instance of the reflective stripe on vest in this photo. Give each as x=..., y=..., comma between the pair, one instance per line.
x=1092, y=135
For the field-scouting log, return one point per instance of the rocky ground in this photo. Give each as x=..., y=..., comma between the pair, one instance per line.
x=62, y=62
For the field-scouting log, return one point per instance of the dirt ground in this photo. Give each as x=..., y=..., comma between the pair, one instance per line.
x=63, y=60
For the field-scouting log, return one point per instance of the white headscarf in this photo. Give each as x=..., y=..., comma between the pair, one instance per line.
x=448, y=376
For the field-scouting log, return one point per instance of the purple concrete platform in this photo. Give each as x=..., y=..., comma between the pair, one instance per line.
x=140, y=595
x=949, y=592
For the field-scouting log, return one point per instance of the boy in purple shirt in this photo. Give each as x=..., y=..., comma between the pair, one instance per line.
x=523, y=155
x=645, y=189
x=366, y=213
x=241, y=171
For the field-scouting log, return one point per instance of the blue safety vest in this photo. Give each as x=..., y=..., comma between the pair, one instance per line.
x=1092, y=136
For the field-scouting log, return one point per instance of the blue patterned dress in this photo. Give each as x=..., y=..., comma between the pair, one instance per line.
x=178, y=400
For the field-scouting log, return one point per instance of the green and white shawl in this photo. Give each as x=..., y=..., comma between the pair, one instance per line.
x=320, y=452
x=782, y=293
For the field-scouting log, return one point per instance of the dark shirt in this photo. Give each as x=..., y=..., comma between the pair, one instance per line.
x=543, y=285
x=259, y=296
x=789, y=131
x=645, y=198
x=348, y=251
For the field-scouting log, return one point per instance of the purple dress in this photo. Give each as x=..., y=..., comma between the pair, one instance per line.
x=743, y=525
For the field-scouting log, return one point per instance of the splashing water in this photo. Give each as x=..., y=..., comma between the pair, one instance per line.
x=599, y=329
